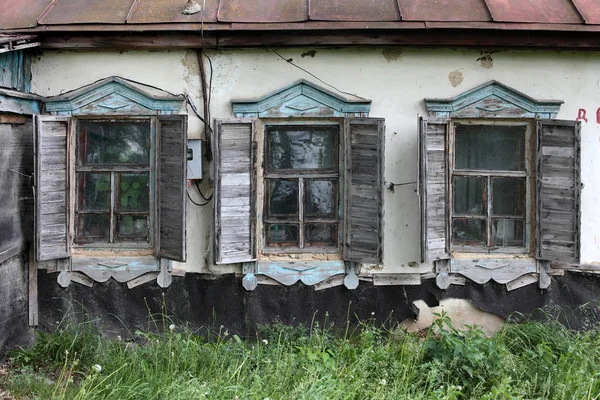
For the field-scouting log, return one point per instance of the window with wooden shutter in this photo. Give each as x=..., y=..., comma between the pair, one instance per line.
x=234, y=199
x=433, y=188
x=558, y=190
x=52, y=188
x=364, y=180
x=172, y=186
x=301, y=186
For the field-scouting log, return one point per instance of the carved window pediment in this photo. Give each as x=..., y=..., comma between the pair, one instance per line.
x=301, y=99
x=117, y=96
x=493, y=100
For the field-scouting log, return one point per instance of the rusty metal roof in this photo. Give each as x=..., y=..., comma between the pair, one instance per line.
x=589, y=9
x=344, y=10
x=546, y=11
x=86, y=12
x=169, y=11
x=166, y=15
x=444, y=10
x=263, y=11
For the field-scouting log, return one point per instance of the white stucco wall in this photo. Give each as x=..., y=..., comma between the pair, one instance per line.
x=396, y=80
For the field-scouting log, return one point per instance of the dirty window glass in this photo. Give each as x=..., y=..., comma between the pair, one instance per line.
x=113, y=181
x=113, y=142
x=488, y=147
x=302, y=148
x=489, y=187
x=301, y=187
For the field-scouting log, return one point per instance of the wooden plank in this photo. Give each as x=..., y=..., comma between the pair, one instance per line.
x=140, y=280
x=433, y=189
x=13, y=119
x=380, y=279
x=82, y=279
x=52, y=189
x=33, y=288
x=234, y=191
x=364, y=153
x=172, y=186
x=501, y=270
x=308, y=272
x=333, y=281
x=558, y=185
x=522, y=281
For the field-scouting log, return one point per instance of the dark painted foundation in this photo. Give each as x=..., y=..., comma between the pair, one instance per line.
x=203, y=304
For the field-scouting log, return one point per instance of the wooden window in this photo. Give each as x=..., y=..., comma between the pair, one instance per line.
x=495, y=200
x=301, y=187
x=114, y=171
x=490, y=175
x=301, y=195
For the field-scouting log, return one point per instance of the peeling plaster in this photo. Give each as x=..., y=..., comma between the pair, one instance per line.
x=455, y=78
x=486, y=61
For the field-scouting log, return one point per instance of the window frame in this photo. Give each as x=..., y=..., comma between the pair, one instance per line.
x=125, y=248
x=530, y=188
x=262, y=177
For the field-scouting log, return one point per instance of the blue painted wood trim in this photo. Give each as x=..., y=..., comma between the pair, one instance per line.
x=113, y=95
x=308, y=272
x=300, y=99
x=19, y=103
x=511, y=98
x=16, y=67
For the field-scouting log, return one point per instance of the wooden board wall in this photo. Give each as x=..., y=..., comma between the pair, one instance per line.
x=16, y=183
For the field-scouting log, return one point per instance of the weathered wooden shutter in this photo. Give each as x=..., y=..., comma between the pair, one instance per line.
x=52, y=239
x=172, y=186
x=234, y=194
x=558, y=190
x=364, y=140
x=433, y=188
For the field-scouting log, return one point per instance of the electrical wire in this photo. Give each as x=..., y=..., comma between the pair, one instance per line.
x=202, y=194
x=290, y=61
x=192, y=200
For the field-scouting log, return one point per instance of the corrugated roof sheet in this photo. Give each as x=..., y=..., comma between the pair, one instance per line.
x=463, y=14
x=344, y=10
x=444, y=10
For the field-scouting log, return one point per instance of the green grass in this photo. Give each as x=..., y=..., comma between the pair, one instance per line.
x=530, y=360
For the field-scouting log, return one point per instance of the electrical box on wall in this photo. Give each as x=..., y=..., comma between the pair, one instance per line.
x=194, y=159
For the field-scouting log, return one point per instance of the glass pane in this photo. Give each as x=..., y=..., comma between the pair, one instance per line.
x=507, y=233
x=282, y=198
x=470, y=232
x=133, y=192
x=302, y=147
x=132, y=227
x=282, y=235
x=93, y=228
x=469, y=195
x=320, y=234
x=93, y=191
x=320, y=198
x=113, y=142
x=508, y=196
x=490, y=147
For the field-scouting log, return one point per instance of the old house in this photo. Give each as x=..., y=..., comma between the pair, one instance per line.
x=240, y=162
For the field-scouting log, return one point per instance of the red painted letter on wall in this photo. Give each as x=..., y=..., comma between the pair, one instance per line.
x=581, y=115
